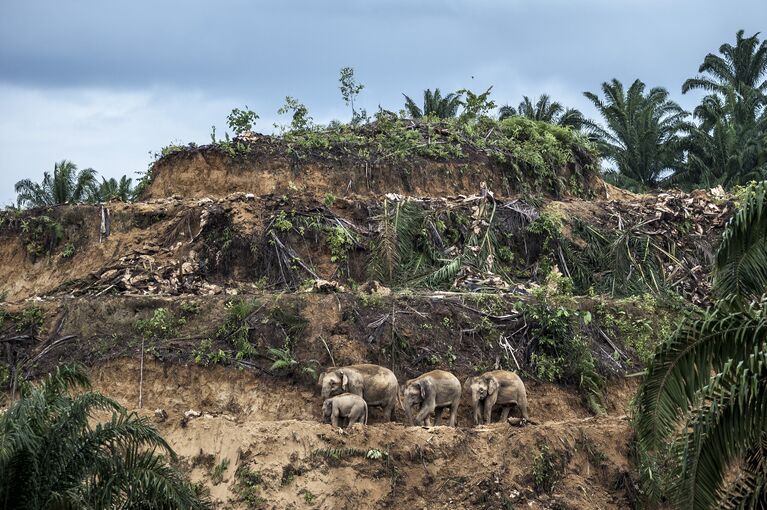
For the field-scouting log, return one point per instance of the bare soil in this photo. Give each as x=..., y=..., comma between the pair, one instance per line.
x=272, y=430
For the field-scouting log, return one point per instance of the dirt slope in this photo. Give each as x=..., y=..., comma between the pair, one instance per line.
x=270, y=433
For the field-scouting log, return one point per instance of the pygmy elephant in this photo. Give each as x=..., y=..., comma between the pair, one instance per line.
x=432, y=392
x=377, y=385
x=497, y=387
x=346, y=405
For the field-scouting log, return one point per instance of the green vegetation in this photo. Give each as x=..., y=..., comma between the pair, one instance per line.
x=649, y=140
x=561, y=353
x=112, y=189
x=28, y=320
x=308, y=496
x=52, y=455
x=162, y=324
x=235, y=330
x=728, y=146
x=544, y=110
x=67, y=185
x=247, y=486
x=217, y=473
x=241, y=121
x=39, y=233
x=434, y=105
x=69, y=251
x=350, y=89
x=548, y=469
x=693, y=428
x=642, y=134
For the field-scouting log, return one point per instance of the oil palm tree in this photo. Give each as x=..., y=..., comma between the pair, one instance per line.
x=52, y=456
x=113, y=189
x=641, y=132
x=742, y=67
x=720, y=148
x=729, y=142
x=66, y=185
x=545, y=110
x=711, y=431
x=434, y=105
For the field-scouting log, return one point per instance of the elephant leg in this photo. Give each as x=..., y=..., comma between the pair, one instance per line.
x=437, y=415
x=488, y=414
x=388, y=410
x=505, y=413
x=478, y=413
x=454, y=414
x=523, y=410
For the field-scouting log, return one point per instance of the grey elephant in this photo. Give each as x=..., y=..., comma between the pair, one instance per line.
x=377, y=385
x=345, y=405
x=432, y=392
x=497, y=387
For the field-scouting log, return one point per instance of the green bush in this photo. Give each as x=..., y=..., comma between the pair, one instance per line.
x=548, y=469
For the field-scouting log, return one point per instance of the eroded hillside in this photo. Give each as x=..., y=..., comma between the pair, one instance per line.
x=242, y=275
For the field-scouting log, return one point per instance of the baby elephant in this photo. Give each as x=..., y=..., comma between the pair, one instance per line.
x=432, y=392
x=497, y=387
x=346, y=405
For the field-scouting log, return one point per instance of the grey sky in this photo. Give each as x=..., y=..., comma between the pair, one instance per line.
x=105, y=83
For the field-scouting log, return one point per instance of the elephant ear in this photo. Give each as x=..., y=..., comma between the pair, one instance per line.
x=492, y=385
x=320, y=379
x=424, y=386
x=345, y=383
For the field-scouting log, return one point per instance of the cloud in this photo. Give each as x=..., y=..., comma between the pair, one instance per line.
x=111, y=131
x=103, y=83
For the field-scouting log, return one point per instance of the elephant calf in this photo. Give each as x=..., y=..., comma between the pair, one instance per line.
x=346, y=405
x=497, y=387
x=432, y=392
x=377, y=385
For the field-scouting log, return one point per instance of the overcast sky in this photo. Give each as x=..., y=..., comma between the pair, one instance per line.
x=104, y=83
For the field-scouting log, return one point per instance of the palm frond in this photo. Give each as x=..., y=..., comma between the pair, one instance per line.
x=741, y=262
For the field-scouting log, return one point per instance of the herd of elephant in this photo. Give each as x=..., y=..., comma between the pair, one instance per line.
x=349, y=391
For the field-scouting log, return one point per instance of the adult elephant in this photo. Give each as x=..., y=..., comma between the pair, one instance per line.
x=377, y=385
x=497, y=387
x=432, y=392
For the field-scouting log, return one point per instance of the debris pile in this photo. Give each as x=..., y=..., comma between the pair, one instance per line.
x=684, y=230
x=140, y=273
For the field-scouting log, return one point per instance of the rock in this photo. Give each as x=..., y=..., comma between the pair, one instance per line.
x=192, y=414
x=160, y=415
x=321, y=285
x=375, y=287
x=187, y=268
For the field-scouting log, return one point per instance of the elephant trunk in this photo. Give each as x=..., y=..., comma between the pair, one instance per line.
x=409, y=411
